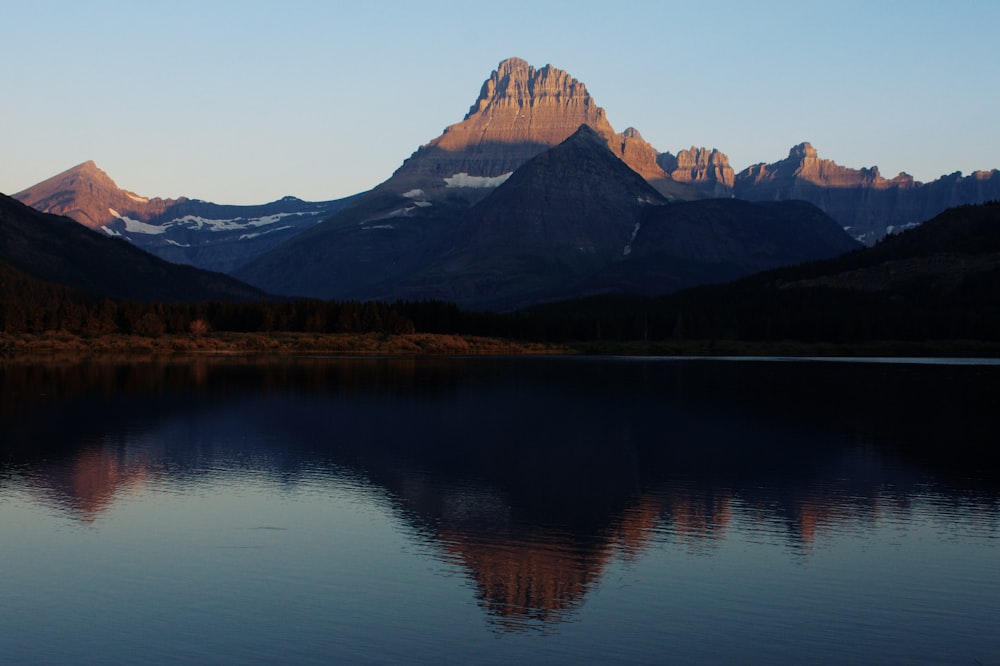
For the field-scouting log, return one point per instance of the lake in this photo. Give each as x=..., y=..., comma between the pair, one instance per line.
x=497, y=510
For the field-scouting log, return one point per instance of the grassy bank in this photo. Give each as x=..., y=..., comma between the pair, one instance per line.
x=415, y=344
x=420, y=344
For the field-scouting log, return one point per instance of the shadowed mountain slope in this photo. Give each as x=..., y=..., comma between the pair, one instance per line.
x=938, y=281
x=564, y=215
x=59, y=250
x=572, y=221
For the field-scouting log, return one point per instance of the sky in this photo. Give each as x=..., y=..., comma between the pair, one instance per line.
x=247, y=101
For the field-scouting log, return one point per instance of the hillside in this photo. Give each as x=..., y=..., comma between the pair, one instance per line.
x=58, y=250
x=938, y=281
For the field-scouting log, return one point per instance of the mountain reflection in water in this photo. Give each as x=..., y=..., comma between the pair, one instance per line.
x=531, y=476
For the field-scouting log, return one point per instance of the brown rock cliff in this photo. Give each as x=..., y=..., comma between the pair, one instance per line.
x=708, y=170
x=522, y=111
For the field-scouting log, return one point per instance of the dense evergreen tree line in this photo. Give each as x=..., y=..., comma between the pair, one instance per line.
x=748, y=311
x=28, y=305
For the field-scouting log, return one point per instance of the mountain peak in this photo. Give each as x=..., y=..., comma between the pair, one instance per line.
x=587, y=133
x=514, y=81
x=88, y=195
x=88, y=170
x=567, y=212
x=803, y=150
x=520, y=112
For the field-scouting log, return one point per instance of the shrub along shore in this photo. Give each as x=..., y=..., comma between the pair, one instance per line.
x=361, y=344
x=68, y=345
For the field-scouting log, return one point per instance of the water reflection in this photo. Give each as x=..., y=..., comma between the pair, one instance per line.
x=531, y=476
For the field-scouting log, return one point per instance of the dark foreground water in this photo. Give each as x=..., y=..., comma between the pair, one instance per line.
x=499, y=510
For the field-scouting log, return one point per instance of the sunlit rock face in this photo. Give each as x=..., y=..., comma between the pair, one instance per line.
x=708, y=170
x=865, y=203
x=88, y=195
x=520, y=112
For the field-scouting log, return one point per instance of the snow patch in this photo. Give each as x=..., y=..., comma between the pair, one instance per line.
x=235, y=224
x=109, y=231
x=414, y=194
x=894, y=229
x=263, y=233
x=406, y=210
x=465, y=180
x=136, y=197
x=137, y=226
x=380, y=226
x=173, y=242
x=628, y=246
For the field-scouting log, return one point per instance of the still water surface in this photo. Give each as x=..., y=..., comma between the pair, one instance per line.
x=492, y=510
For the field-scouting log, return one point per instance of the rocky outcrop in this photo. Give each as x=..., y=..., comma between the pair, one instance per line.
x=520, y=112
x=803, y=163
x=865, y=203
x=708, y=170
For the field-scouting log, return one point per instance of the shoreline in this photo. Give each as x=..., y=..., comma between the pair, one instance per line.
x=67, y=345
x=56, y=344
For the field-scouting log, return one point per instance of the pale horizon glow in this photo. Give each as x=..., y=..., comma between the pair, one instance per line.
x=248, y=102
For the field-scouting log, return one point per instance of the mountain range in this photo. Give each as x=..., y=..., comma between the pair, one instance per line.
x=184, y=231
x=532, y=197
x=55, y=249
x=573, y=220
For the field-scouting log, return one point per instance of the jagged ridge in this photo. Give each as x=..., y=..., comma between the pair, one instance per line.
x=520, y=112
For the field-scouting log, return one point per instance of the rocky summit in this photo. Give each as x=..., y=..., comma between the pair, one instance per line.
x=520, y=112
x=88, y=195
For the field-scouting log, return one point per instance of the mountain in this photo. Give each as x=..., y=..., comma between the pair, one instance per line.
x=520, y=112
x=940, y=260
x=89, y=196
x=188, y=231
x=576, y=221
x=58, y=250
x=865, y=203
x=937, y=281
x=573, y=220
x=704, y=242
x=566, y=213
x=868, y=205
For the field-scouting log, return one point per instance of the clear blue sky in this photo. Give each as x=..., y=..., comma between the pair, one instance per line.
x=245, y=102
